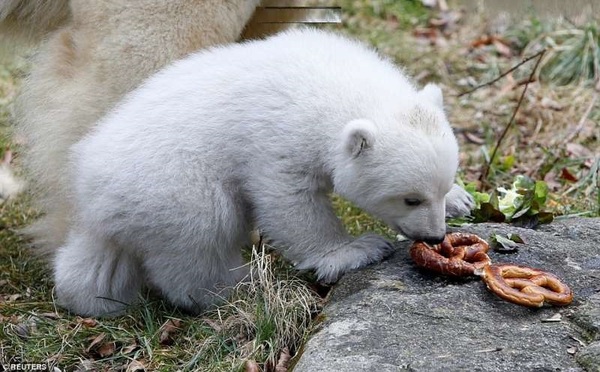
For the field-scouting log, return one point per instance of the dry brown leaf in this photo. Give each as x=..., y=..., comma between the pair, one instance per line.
x=284, y=360
x=502, y=48
x=53, y=316
x=426, y=32
x=568, y=176
x=473, y=138
x=213, y=324
x=106, y=349
x=87, y=322
x=579, y=151
x=484, y=40
x=508, y=86
x=21, y=329
x=167, y=330
x=135, y=366
x=550, y=179
x=251, y=366
x=129, y=349
x=95, y=341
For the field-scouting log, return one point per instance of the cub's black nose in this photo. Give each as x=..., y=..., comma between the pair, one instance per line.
x=433, y=240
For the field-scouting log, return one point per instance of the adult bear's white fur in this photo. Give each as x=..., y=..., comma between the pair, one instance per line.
x=169, y=184
x=93, y=53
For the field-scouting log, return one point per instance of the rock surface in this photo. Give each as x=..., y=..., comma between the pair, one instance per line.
x=396, y=317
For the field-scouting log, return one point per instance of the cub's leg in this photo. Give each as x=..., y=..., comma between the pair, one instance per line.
x=305, y=224
x=196, y=264
x=94, y=277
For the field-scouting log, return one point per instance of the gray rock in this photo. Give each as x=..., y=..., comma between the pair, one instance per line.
x=395, y=316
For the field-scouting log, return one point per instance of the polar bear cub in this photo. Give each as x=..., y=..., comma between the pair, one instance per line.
x=169, y=184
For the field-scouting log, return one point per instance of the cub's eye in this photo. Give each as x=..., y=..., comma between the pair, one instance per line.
x=412, y=202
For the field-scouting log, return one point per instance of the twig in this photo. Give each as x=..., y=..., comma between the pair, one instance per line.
x=538, y=54
x=484, y=175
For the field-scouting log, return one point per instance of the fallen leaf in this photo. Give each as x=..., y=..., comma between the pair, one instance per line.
x=504, y=245
x=95, y=341
x=129, y=349
x=50, y=315
x=251, y=366
x=484, y=40
x=579, y=151
x=567, y=176
x=473, y=138
x=214, y=325
x=85, y=365
x=502, y=48
x=516, y=238
x=551, y=181
x=106, y=349
x=508, y=86
x=21, y=329
x=284, y=360
x=135, y=366
x=167, y=330
x=87, y=322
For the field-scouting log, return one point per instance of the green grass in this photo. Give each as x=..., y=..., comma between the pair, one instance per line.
x=264, y=315
x=276, y=310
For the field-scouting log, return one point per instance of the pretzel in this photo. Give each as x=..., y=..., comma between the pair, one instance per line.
x=460, y=254
x=526, y=286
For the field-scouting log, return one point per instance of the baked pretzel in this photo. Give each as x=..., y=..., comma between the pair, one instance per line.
x=526, y=286
x=460, y=254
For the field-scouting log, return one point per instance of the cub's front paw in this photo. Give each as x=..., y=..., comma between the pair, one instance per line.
x=375, y=245
x=360, y=252
x=458, y=202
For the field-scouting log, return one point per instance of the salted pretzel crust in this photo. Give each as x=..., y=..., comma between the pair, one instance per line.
x=462, y=254
x=526, y=286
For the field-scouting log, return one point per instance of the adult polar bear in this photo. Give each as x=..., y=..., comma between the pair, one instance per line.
x=254, y=134
x=92, y=53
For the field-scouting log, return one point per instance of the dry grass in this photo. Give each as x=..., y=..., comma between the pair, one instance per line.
x=556, y=136
x=264, y=322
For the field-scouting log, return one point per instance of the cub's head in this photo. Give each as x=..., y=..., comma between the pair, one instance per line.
x=400, y=168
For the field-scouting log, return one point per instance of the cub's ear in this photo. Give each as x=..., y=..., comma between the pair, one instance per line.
x=433, y=94
x=358, y=136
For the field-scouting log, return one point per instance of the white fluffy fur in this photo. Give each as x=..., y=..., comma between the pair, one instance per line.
x=96, y=53
x=168, y=184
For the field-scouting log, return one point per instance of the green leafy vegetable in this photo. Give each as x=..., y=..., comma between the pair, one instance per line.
x=522, y=204
x=506, y=244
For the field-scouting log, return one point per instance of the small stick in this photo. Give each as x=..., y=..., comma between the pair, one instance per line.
x=538, y=54
x=484, y=175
